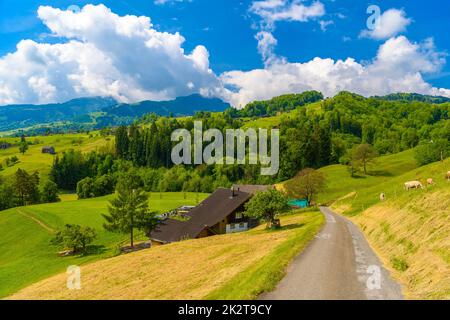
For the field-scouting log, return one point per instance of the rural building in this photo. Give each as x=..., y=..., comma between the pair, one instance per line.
x=50, y=150
x=5, y=145
x=220, y=213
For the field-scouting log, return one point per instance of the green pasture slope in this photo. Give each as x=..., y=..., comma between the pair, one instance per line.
x=26, y=255
x=271, y=122
x=386, y=175
x=35, y=160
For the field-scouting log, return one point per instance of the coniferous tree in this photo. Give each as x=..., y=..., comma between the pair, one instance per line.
x=130, y=211
x=122, y=142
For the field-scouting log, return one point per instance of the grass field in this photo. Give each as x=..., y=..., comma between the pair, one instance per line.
x=340, y=183
x=235, y=266
x=271, y=122
x=26, y=255
x=34, y=159
x=410, y=230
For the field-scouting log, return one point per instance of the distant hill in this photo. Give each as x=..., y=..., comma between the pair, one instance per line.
x=181, y=106
x=100, y=112
x=410, y=97
x=26, y=115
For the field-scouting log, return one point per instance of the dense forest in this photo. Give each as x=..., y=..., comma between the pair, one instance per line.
x=314, y=132
x=329, y=135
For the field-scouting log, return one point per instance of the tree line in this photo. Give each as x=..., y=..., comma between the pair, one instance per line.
x=24, y=188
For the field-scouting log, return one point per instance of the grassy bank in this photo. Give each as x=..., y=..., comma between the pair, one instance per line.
x=26, y=255
x=35, y=160
x=410, y=230
x=264, y=275
x=193, y=269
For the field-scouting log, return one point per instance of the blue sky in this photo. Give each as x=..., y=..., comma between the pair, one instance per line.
x=227, y=29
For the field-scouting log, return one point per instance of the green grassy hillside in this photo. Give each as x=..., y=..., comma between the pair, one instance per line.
x=34, y=159
x=274, y=121
x=410, y=229
x=231, y=266
x=383, y=170
x=26, y=254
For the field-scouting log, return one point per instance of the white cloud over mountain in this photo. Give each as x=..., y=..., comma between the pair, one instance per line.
x=103, y=54
x=398, y=67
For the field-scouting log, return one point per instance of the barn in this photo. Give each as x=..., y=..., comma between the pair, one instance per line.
x=48, y=149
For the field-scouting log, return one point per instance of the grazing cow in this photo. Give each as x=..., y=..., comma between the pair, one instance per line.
x=413, y=185
x=382, y=197
x=448, y=176
x=430, y=182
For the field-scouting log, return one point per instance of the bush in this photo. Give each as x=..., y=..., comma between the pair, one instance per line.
x=49, y=192
x=85, y=188
x=399, y=264
x=90, y=188
x=75, y=237
x=432, y=151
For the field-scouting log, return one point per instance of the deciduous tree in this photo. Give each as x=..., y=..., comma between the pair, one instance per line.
x=266, y=206
x=307, y=184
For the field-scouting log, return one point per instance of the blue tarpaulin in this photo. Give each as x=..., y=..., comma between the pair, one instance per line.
x=298, y=203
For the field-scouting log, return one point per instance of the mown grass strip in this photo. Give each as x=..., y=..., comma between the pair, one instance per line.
x=264, y=275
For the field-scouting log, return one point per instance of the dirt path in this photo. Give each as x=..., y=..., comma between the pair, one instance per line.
x=39, y=222
x=338, y=265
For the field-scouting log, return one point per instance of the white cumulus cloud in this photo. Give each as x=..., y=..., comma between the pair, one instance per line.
x=103, y=54
x=390, y=23
x=398, y=67
x=272, y=11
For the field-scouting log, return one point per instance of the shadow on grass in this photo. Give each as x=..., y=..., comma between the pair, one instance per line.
x=90, y=251
x=381, y=173
x=286, y=227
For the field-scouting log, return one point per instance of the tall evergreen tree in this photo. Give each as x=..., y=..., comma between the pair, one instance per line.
x=122, y=142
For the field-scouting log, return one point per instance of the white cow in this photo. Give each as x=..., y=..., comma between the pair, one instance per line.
x=413, y=185
x=448, y=175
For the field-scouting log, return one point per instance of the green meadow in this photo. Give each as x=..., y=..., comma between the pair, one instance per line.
x=28, y=256
x=35, y=160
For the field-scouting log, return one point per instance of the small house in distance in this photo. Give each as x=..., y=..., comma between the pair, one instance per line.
x=220, y=213
x=4, y=145
x=48, y=149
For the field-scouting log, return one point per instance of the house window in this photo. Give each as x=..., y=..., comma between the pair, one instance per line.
x=239, y=215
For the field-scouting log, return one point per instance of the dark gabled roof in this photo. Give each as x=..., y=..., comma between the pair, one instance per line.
x=207, y=214
x=169, y=230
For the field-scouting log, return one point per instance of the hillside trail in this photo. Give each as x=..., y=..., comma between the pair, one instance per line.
x=39, y=222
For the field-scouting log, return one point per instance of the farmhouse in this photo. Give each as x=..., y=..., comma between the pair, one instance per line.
x=50, y=150
x=220, y=213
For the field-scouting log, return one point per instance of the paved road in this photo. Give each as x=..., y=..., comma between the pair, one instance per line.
x=337, y=265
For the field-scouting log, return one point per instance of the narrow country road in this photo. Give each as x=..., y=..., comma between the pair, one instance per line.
x=337, y=265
